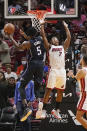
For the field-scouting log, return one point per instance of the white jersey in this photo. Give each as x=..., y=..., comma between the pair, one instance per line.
x=82, y=103
x=57, y=57
x=83, y=82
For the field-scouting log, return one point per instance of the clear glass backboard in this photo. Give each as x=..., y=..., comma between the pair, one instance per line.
x=17, y=9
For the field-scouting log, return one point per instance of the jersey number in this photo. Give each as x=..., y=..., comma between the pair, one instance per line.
x=60, y=53
x=39, y=50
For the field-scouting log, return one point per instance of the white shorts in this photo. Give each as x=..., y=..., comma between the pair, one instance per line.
x=82, y=103
x=56, y=79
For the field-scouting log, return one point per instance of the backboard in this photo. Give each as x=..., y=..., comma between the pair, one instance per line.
x=17, y=9
x=65, y=9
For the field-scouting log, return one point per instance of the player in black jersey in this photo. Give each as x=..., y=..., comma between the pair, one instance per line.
x=34, y=70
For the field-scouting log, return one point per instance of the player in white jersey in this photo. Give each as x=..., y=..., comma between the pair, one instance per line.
x=81, y=76
x=57, y=73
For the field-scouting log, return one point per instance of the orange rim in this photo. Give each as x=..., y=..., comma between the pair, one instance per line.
x=39, y=13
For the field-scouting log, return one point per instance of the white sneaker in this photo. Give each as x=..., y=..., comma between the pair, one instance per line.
x=40, y=105
x=43, y=116
x=39, y=111
x=56, y=114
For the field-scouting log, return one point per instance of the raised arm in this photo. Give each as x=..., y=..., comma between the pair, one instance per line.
x=23, y=46
x=24, y=35
x=46, y=43
x=68, y=39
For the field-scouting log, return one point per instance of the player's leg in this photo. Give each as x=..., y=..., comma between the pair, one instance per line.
x=42, y=107
x=50, y=84
x=26, y=77
x=56, y=110
x=81, y=119
x=60, y=86
x=82, y=109
x=38, y=68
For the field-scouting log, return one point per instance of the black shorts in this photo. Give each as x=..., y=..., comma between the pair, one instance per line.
x=34, y=71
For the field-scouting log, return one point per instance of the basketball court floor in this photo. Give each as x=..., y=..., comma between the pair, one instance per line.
x=68, y=122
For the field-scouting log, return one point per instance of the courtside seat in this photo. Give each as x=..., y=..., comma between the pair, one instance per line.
x=10, y=120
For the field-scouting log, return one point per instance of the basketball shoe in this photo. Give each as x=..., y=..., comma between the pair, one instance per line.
x=56, y=114
x=43, y=116
x=39, y=111
x=27, y=112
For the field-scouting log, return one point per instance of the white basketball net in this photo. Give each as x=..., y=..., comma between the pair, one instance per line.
x=36, y=24
x=38, y=19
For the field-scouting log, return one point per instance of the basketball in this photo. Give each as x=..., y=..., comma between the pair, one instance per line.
x=9, y=28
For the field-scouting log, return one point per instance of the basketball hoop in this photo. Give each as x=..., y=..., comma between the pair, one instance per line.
x=38, y=18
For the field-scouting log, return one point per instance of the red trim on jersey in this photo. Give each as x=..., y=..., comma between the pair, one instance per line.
x=82, y=82
x=59, y=89
x=82, y=101
x=47, y=55
x=82, y=110
x=48, y=68
x=47, y=76
x=62, y=88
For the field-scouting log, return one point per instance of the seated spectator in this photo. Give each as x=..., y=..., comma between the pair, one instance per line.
x=85, y=23
x=84, y=41
x=22, y=66
x=3, y=90
x=11, y=90
x=82, y=32
x=9, y=73
x=79, y=21
x=30, y=97
x=1, y=68
x=46, y=67
x=4, y=51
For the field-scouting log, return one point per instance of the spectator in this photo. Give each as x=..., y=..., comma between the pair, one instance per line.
x=1, y=69
x=79, y=21
x=84, y=41
x=82, y=32
x=26, y=25
x=22, y=66
x=18, y=102
x=11, y=90
x=9, y=73
x=85, y=23
x=4, y=51
x=46, y=67
x=3, y=90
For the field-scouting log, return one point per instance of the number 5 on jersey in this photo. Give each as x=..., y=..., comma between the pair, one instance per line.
x=39, y=50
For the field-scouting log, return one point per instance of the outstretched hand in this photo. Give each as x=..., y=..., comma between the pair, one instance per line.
x=65, y=24
x=70, y=73
x=42, y=22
